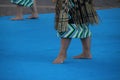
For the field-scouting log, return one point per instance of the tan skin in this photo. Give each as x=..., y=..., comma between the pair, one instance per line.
x=19, y=14
x=65, y=42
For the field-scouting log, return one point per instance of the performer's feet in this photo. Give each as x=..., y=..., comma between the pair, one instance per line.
x=60, y=59
x=17, y=18
x=35, y=16
x=83, y=56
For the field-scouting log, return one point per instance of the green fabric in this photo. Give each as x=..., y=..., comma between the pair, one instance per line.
x=82, y=31
x=26, y=3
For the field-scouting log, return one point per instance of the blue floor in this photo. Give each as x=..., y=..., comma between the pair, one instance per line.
x=28, y=47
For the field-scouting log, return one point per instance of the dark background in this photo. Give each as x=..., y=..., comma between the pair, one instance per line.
x=46, y=6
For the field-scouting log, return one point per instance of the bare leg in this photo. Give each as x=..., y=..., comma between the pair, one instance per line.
x=19, y=15
x=63, y=51
x=86, y=54
x=34, y=14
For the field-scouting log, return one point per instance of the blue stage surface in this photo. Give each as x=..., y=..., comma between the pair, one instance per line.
x=28, y=47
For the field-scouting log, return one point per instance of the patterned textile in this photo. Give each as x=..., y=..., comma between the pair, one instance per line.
x=61, y=15
x=26, y=3
x=75, y=32
x=79, y=11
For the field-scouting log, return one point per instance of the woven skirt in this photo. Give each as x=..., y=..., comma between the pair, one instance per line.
x=25, y=3
x=82, y=31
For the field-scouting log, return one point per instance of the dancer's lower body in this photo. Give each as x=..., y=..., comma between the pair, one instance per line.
x=19, y=10
x=83, y=33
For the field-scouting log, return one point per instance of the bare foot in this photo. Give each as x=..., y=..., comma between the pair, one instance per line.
x=83, y=56
x=17, y=18
x=59, y=60
x=33, y=17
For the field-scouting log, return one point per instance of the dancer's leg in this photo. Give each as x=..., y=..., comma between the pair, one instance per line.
x=63, y=51
x=86, y=54
x=19, y=14
x=34, y=14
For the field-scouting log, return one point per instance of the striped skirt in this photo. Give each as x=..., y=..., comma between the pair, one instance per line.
x=75, y=32
x=25, y=3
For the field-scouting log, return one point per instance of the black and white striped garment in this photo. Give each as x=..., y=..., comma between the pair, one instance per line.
x=82, y=31
x=25, y=3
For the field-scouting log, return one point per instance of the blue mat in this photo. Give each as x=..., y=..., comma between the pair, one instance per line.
x=28, y=47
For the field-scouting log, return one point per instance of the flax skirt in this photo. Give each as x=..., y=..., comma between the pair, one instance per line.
x=75, y=31
x=26, y=3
